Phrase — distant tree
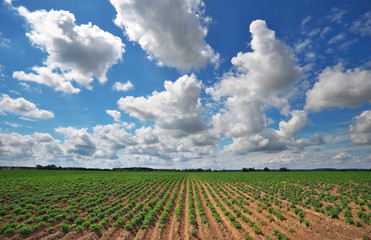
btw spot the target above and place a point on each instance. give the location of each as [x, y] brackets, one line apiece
[38, 166]
[51, 167]
[248, 170]
[266, 169]
[284, 169]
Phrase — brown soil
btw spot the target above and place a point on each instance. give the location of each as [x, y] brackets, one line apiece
[212, 229]
[235, 234]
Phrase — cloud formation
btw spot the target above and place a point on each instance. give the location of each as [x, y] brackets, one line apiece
[337, 87]
[72, 50]
[258, 79]
[177, 109]
[119, 86]
[170, 31]
[360, 132]
[115, 114]
[362, 25]
[21, 106]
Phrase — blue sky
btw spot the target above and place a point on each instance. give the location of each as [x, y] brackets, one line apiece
[185, 83]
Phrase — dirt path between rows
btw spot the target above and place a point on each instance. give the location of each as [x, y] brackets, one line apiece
[235, 233]
[183, 226]
[212, 229]
[153, 230]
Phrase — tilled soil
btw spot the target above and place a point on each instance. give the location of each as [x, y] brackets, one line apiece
[321, 226]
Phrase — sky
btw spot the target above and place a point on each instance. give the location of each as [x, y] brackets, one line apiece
[185, 83]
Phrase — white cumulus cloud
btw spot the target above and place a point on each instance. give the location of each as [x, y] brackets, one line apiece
[337, 87]
[258, 79]
[72, 50]
[171, 31]
[115, 114]
[360, 132]
[119, 86]
[178, 109]
[21, 106]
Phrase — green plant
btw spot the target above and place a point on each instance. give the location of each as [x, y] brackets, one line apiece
[78, 228]
[248, 237]
[65, 227]
[95, 227]
[257, 229]
[25, 230]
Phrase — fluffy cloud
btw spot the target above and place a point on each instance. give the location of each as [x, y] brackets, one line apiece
[21, 106]
[119, 86]
[115, 114]
[292, 127]
[72, 50]
[46, 76]
[103, 142]
[177, 110]
[170, 31]
[360, 132]
[339, 88]
[258, 81]
[14, 145]
[109, 139]
[271, 64]
[78, 141]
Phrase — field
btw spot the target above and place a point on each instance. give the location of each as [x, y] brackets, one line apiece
[42, 204]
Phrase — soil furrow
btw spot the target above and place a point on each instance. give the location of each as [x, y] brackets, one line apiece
[235, 233]
[214, 229]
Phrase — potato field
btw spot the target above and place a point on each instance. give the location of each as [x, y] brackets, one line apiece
[44, 204]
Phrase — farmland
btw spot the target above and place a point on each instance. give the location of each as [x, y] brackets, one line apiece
[43, 204]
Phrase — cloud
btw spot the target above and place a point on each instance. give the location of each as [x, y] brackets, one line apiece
[177, 110]
[16, 146]
[21, 106]
[72, 50]
[260, 75]
[337, 87]
[306, 20]
[48, 77]
[336, 14]
[292, 127]
[14, 125]
[270, 67]
[257, 81]
[42, 137]
[300, 46]
[362, 25]
[337, 38]
[360, 132]
[109, 139]
[78, 141]
[4, 42]
[145, 135]
[118, 86]
[343, 156]
[171, 31]
[115, 114]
